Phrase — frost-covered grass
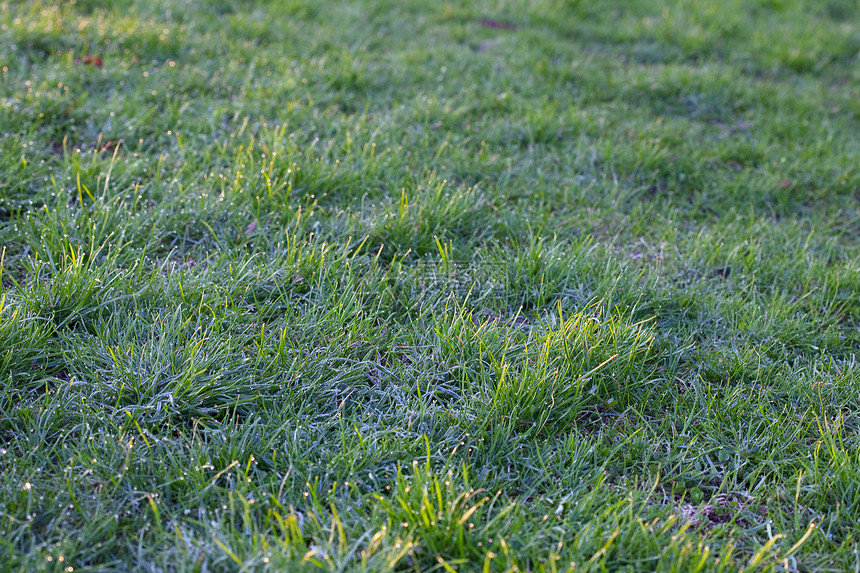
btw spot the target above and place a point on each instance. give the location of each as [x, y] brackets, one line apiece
[407, 285]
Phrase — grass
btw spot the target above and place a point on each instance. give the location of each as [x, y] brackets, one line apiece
[379, 285]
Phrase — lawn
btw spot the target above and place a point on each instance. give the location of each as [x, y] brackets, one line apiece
[424, 286]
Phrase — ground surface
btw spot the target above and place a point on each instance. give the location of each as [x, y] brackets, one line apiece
[423, 286]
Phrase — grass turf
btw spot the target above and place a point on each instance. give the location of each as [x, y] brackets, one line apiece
[430, 286]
